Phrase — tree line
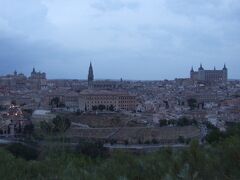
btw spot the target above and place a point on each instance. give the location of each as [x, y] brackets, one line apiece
[219, 158]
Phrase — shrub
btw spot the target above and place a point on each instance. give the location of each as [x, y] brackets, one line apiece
[23, 151]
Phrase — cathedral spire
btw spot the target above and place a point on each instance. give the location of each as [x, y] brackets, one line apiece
[90, 73]
[15, 73]
[224, 67]
[34, 71]
[192, 70]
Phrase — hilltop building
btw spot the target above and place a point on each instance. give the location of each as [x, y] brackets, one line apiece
[38, 80]
[15, 81]
[209, 75]
[37, 75]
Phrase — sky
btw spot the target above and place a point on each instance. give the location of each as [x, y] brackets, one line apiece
[129, 39]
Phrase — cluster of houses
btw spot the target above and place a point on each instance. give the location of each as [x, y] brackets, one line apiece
[206, 96]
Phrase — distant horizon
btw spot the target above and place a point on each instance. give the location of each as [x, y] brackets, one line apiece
[111, 79]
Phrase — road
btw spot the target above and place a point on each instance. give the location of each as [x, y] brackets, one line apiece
[144, 146]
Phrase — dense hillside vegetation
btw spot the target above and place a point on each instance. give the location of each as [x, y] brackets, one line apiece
[218, 159]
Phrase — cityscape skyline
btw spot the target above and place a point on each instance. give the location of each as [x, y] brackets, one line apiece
[91, 70]
[90, 89]
[132, 39]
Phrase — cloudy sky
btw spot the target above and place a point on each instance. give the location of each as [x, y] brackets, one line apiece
[132, 39]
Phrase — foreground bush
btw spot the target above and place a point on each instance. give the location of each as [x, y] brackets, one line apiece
[217, 160]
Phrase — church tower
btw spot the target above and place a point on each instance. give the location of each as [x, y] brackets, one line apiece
[192, 73]
[90, 75]
[33, 71]
[201, 73]
[225, 73]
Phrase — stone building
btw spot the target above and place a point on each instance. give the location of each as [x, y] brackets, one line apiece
[37, 80]
[14, 81]
[71, 101]
[209, 75]
[37, 75]
[88, 99]
[106, 85]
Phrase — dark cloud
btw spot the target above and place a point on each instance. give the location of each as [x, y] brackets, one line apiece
[121, 37]
[17, 53]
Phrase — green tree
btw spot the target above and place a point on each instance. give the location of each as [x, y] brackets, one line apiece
[163, 122]
[214, 136]
[46, 127]
[192, 103]
[28, 129]
[55, 102]
[181, 139]
[92, 149]
[111, 108]
[23, 151]
[94, 108]
[61, 124]
[101, 107]
[184, 122]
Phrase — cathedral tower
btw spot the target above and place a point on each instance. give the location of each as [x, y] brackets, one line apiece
[225, 73]
[90, 75]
